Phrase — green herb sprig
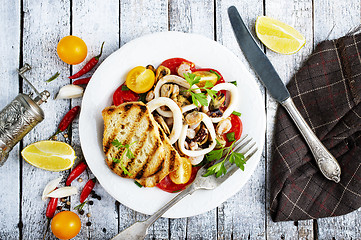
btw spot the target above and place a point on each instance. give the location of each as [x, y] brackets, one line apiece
[233, 157]
[128, 153]
[199, 98]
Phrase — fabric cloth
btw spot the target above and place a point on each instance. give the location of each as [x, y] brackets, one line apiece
[327, 92]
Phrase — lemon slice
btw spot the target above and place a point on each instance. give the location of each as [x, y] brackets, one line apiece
[49, 155]
[279, 36]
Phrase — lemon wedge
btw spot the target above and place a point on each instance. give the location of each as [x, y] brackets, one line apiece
[278, 36]
[49, 155]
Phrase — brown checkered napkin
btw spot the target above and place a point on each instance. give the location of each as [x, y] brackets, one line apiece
[327, 92]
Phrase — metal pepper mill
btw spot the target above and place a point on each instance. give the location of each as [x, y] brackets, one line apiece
[19, 117]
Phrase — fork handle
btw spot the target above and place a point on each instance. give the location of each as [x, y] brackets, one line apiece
[326, 162]
[139, 229]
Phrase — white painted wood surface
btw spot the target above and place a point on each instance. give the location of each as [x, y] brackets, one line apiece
[30, 31]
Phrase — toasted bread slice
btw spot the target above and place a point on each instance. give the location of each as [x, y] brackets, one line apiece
[154, 157]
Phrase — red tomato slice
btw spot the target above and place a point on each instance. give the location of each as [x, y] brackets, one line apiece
[237, 128]
[173, 64]
[121, 96]
[167, 185]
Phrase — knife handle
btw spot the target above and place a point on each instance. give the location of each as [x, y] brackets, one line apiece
[324, 159]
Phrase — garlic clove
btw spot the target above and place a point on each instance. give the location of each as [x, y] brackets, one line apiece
[70, 91]
[63, 192]
[50, 187]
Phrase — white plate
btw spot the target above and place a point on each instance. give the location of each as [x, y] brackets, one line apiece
[153, 49]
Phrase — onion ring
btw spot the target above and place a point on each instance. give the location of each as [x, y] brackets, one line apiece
[177, 115]
[208, 122]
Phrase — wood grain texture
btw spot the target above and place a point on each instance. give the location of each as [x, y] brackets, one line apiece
[243, 215]
[102, 21]
[42, 31]
[299, 15]
[344, 18]
[10, 171]
[138, 18]
[193, 17]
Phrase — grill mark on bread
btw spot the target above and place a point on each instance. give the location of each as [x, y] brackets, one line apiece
[150, 156]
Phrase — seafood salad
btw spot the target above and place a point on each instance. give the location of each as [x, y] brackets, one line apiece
[195, 108]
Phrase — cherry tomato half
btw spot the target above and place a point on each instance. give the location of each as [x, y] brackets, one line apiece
[173, 64]
[183, 173]
[121, 96]
[140, 79]
[220, 80]
[72, 50]
[65, 225]
[237, 128]
[167, 185]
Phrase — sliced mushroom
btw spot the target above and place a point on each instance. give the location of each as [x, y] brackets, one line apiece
[150, 96]
[193, 118]
[162, 124]
[223, 126]
[217, 102]
[161, 72]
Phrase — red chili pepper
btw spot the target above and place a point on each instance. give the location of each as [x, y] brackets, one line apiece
[67, 119]
[87, 189]
[50, 211]
[75, 173]
[89, 65]
[82, 81]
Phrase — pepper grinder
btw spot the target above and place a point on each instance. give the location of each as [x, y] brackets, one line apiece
[19, 117]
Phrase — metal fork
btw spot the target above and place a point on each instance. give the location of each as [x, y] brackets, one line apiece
[139, 229]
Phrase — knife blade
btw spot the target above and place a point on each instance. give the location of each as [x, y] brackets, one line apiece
[326, 162]
[256, 57]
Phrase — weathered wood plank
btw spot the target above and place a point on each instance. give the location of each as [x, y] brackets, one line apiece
[193, 16]
[299, 15]
[334, 19]
[138, 18]
[44, 25]
[10, 171]
[243, 215]
[102, 21]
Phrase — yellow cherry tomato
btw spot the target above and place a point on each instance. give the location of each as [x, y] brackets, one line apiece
[72, 50]
[183, 173]
[65, 225]
[140, 79]
[206, 76]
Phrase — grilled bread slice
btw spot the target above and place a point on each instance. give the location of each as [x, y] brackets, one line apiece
[154, 157]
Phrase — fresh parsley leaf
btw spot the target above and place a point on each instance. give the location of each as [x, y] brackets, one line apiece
[218, 76]
[129, 154]
[116, 160]
[138, 184]
[238, 159]
[125, 88]
[200, 98]
[192, 79]
[219, 169]
[142, 97]
[231, 136]
[208, 84]
[215, 155]
[234, 83]
[236, 113]
[117, 144]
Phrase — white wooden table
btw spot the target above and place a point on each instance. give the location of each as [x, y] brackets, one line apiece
[30, 31]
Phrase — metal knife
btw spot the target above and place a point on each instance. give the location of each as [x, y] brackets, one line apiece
[271, 80]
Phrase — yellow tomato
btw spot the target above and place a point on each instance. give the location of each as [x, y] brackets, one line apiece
[206, 76]
[65, 225]
[140, 79]
[72, 50]
[183, 173]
